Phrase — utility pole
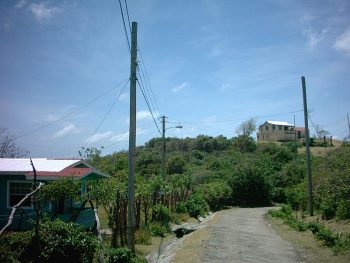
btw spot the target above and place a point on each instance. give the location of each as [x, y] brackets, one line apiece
[163, 147]
[295, 133]
[347, 115]
[132, 140]
[307, 144]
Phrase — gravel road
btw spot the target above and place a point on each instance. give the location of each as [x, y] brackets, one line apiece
[236, 235]
[243, 235]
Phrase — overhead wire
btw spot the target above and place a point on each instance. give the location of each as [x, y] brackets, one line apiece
[68, 114]
[147, 93]
[147, 81]
[234, 120]
[125, 31]
[148, 105]
[106, 115]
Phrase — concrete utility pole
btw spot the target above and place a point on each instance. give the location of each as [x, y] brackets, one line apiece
[347, 115]
[307, 144]
[132, 140]
[164, 146]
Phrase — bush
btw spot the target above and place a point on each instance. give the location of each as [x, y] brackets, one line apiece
[216, 193]
[328, 208]
[59, 242]
[161, 214]
[159, 230]
[119, 255]
[197, 206]
[179, 218]
[181, 208]
[343, 210]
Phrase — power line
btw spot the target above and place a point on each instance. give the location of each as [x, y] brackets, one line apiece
[149, 108]
[147, 85]
[107, 113]
[66, 115]
[127, 13]
[147, 80]
[149, 97]
[126, 32]
[235, 120]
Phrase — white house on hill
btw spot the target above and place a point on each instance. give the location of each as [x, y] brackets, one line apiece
[279, 131]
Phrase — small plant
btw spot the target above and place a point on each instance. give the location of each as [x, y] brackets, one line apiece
[143, 236]
[181, 208]
[161, 214]
[179, 218]
[119, 255]
[197, 206]
[158, 229]
[343, 210]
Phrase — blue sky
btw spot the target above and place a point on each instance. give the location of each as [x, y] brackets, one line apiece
[211, 65]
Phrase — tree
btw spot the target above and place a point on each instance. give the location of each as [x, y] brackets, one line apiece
[247, 128]
[8, 147]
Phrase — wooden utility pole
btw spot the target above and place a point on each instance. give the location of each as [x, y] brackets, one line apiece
[132, 140]
[307, 144]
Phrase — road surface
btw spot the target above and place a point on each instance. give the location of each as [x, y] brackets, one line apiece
[236, 235]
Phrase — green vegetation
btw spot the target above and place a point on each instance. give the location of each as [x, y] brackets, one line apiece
[207, 173]
[337, 241]
[58, 241]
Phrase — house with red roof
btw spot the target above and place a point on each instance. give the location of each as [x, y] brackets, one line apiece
[16, 180]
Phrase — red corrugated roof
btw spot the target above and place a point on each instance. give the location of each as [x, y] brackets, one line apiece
[302, 129]
[75, 172]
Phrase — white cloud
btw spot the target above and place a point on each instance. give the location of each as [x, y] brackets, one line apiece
[314, 38]
[100, 136]
[42, 11]
[69, 129]
[123, 96]
[143, 115]
[120, 137]
[125, 136]
[20, 4]
[180, 87]
[7, 25]
[343, 41]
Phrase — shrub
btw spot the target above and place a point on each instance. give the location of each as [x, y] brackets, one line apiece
[328, 208]
[158, 229]
[343, 210]
[59, 242]
[161, 214]
[197, 205]
[119, 255]
[143, 236]
[216, 193]
[181, 208]
[179, 218]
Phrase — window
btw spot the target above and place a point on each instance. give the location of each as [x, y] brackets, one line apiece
[267, 128]
[280, 127]
[17, 191]
[273, 127]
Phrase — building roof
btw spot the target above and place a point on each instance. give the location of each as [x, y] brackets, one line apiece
[48, 169]
[302, 129]
[284, 123]
[41, 164]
